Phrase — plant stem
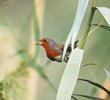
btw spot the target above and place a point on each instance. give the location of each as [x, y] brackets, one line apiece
[96, 27]
[88, 25]
[94, 3]
[36, 28]
[102, 26]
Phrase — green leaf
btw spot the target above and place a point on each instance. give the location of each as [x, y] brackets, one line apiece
[70, 75]
[74, 98]
[96, 84]
[105, 12]
[89, 97]
[76, 25]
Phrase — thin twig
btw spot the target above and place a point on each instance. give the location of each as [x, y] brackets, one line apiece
[88, 64]
[92, 30]
[96, 27]
[102, 26]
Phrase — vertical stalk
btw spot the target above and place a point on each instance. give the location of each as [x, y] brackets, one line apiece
[36, 27]
[88, 25]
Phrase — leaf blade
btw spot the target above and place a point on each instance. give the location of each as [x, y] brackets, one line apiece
[105, 12]
[78, 19]
[89, 97]
[76, 25]
[70, 75]
[97, 85]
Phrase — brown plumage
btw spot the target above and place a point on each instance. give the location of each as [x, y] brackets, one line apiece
[54, 51]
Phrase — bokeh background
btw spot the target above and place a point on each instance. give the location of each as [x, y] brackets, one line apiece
[55, 18]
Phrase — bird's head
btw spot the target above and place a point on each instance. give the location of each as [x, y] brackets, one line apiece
[46, 42]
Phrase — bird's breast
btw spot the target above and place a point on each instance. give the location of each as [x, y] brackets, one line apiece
[56, 55]
[52, 54]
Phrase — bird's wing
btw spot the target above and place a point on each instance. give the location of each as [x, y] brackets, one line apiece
[69, 47]
[61, 47]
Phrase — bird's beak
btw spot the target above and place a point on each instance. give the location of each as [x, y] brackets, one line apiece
[39, 43]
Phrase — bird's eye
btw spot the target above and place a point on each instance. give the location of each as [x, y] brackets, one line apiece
[44, 40]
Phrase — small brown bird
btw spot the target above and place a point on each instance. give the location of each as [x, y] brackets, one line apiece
[54, 51]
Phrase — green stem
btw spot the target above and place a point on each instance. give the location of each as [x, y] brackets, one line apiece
[36, 28]
[94, 3]
[88, 26]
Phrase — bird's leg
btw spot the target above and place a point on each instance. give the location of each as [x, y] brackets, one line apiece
[68, 53]
[66, 59]
[76, 43]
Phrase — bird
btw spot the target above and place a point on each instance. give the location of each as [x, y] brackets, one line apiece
[54, 51]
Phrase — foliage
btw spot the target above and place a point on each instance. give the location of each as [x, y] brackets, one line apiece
[10, 86]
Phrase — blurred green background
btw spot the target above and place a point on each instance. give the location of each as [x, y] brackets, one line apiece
[55, 19]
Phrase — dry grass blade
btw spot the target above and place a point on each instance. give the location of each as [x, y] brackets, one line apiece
[108, 74]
